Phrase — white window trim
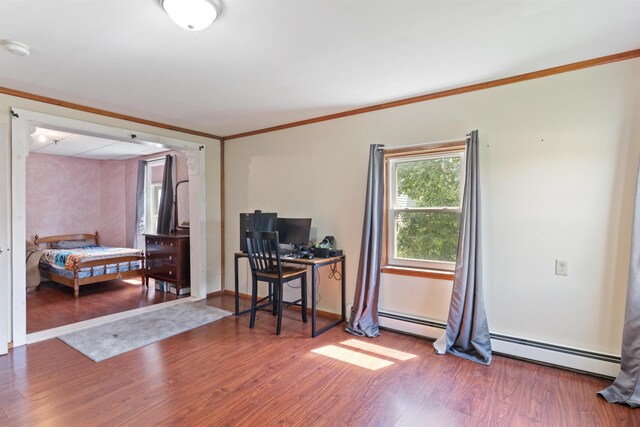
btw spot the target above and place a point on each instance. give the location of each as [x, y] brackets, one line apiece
[392, 210]
[151, 224]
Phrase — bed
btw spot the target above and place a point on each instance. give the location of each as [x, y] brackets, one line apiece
[75, 260]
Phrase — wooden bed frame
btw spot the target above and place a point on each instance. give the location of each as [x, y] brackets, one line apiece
[95, 265]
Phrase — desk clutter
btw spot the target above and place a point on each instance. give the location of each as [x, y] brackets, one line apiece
[293, 235]
[162, 286]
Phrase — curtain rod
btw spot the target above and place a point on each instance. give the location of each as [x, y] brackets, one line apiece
[425, 143]
[155, 160]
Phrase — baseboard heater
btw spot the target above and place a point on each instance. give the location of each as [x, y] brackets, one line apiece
[551, 354]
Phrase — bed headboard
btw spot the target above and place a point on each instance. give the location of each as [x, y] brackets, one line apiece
[52, 239]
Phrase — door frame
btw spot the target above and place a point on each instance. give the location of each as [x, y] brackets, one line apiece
[5, 211]
[22, 126]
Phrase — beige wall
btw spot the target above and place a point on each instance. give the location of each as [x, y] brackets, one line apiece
[559, 157]
[212, 179]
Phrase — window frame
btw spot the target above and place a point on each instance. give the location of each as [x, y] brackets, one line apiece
[422, 268]
[152, 196]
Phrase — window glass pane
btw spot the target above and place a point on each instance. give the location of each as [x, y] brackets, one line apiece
[429, 236]
[428, 183]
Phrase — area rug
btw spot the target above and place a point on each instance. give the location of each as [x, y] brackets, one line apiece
[117, 337]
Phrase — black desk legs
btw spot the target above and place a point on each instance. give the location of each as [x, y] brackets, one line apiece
[314, 332]
[314, 295]
[314, 302]
[235, 270]
[237, 297]
[342, 276]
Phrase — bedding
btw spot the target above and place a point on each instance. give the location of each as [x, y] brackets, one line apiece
[67, 258]
[73, 244]
[75, 260]
[91, 271]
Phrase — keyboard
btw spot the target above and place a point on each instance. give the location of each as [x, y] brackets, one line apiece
[294, 254]
[289, 254]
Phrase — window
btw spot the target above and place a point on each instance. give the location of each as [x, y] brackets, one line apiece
[424, 203]
[155, 173]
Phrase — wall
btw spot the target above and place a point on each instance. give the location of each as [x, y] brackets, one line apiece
[112, 203]
[212, 178]
[559, 157]
[67, 195]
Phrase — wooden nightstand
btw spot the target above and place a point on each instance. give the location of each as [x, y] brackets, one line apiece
[167, 258]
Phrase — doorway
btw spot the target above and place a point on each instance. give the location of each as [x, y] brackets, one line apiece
[5, 277]
[22, 128]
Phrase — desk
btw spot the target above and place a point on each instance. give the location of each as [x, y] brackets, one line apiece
[314, 263]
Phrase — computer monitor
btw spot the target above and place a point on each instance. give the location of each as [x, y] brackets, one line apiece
[294, 231]
[256, 221]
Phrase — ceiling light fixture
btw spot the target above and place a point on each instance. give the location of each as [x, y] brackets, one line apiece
[40, 137]
[16, 48]
[192, 14]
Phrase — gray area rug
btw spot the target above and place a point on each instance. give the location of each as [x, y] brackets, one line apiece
[113, 338]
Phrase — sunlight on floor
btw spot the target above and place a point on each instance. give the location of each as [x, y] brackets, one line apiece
[133, 281]
[383, 351]
[355, 358]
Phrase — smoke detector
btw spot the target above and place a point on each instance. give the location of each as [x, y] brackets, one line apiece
[16, 48]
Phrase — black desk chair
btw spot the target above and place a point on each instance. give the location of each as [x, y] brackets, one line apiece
[264, 260]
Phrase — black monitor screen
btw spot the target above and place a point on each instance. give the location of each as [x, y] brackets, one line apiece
[294, 231]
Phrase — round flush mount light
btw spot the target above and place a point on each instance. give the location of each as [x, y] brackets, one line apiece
[40, 137]
[16, 48]
[192, 15]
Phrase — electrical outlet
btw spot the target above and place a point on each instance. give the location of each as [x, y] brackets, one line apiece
[562, 269]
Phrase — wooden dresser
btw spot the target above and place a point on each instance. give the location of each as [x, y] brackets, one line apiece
[167, 259]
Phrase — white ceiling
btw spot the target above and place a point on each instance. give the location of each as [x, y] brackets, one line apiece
[269, 62]
[60, 143]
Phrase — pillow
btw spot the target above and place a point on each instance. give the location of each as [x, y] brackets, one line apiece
[73, 244]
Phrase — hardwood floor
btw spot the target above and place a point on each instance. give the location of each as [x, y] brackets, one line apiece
[54, 305]
[226, 374]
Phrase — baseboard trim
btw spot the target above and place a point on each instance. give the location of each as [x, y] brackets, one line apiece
[536, 351]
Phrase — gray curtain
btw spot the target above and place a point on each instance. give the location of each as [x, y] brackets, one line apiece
[467, 332]
[626, 387]
[140, 224]
[165, 211]
[363, 320]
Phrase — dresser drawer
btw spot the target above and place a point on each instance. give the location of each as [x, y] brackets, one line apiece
[160, 264]
[167, 258]
[162, 256]
[165, 272]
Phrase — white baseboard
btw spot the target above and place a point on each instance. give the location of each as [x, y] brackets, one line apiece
[551, 354]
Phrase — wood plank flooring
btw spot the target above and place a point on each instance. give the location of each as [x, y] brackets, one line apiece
[53, 305]
[225, 374]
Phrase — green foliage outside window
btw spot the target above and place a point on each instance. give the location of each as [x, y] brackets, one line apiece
[428, 183]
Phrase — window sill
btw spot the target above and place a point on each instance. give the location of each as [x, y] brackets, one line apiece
[418, 272]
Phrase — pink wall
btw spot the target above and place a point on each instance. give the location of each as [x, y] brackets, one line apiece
[68, 195]
[63, 195]
[112, 203]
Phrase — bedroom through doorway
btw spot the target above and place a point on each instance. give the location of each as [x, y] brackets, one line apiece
[102, 174]
[75, 206]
